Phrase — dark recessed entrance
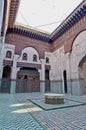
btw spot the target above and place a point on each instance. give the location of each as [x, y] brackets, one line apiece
[5, 82]
[47, 81]
[82, 72]
[28, 80]
[65, 81]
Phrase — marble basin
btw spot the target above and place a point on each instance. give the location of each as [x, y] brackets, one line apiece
[53, 98]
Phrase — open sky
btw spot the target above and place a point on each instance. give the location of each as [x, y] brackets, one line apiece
[45, 14]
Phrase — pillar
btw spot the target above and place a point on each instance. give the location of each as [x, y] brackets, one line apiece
[2, 4]
[13, 75]
[42, 76]
[1, 13]
[1, 72]
[68, 68]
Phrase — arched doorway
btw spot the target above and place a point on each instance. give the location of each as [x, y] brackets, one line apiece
[5, 82]
[28, 80]
[6, 72]
[47, 81]
[65, 81]
[82, 74]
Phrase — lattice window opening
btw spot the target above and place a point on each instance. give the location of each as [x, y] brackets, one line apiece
[24, 57]
[8, 54]
[35, 58]
[47, 59]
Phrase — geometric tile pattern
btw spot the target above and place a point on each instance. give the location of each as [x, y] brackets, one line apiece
[72, 118]
[63, 119]
[14, 117]
[18, 113]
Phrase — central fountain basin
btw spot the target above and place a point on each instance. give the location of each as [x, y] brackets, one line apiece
[53, 98]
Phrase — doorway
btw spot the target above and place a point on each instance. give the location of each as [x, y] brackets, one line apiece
[82, 75]
[65, 80]
[5, 82]
[47, 81]
[28, 80]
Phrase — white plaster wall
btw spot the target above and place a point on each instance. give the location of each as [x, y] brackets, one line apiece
[70, 61]
[78, 52]
[58, 64]
[7, 47]
[30, 52]
[47, 54]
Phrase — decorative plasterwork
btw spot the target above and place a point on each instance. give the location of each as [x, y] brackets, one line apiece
[72, 19]
[13, 12]
[29, 33]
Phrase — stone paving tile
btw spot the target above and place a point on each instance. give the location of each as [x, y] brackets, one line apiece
[63, 119]
[18, 113]
[73, 118]
[81, 99]
[67, 103]
[13, 115]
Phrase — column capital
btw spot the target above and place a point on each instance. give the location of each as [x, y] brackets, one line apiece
[42, 61]
[16, 57]
[68, 54]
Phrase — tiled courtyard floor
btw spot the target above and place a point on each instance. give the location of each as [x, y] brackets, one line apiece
[25, 112]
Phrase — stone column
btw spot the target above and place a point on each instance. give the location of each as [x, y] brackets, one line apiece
[1, 72]
[42, 76]
[62, 68]
[1, 22]
[68, 68]
[13, 75]
[1, 62]
[1, 13]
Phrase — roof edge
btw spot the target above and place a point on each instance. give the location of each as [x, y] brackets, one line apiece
[29, 33]
[81, 8]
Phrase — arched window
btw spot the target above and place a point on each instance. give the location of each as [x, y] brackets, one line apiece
[35, 58]
[24, 57]
[8, 54]
[47, 60]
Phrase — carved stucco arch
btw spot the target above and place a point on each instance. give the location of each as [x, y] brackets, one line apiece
[79, 46]
[76, 36]
[30, 51]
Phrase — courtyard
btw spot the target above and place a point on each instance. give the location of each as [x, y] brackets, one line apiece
[28, 111]
[34, 63]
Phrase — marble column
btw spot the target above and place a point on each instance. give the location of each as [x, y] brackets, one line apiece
[14, 75]
[1, 72]
[68, 68]
[1, 13]
[42, 76]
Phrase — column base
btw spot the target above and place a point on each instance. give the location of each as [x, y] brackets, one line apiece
[42, 86]
[13, 86]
